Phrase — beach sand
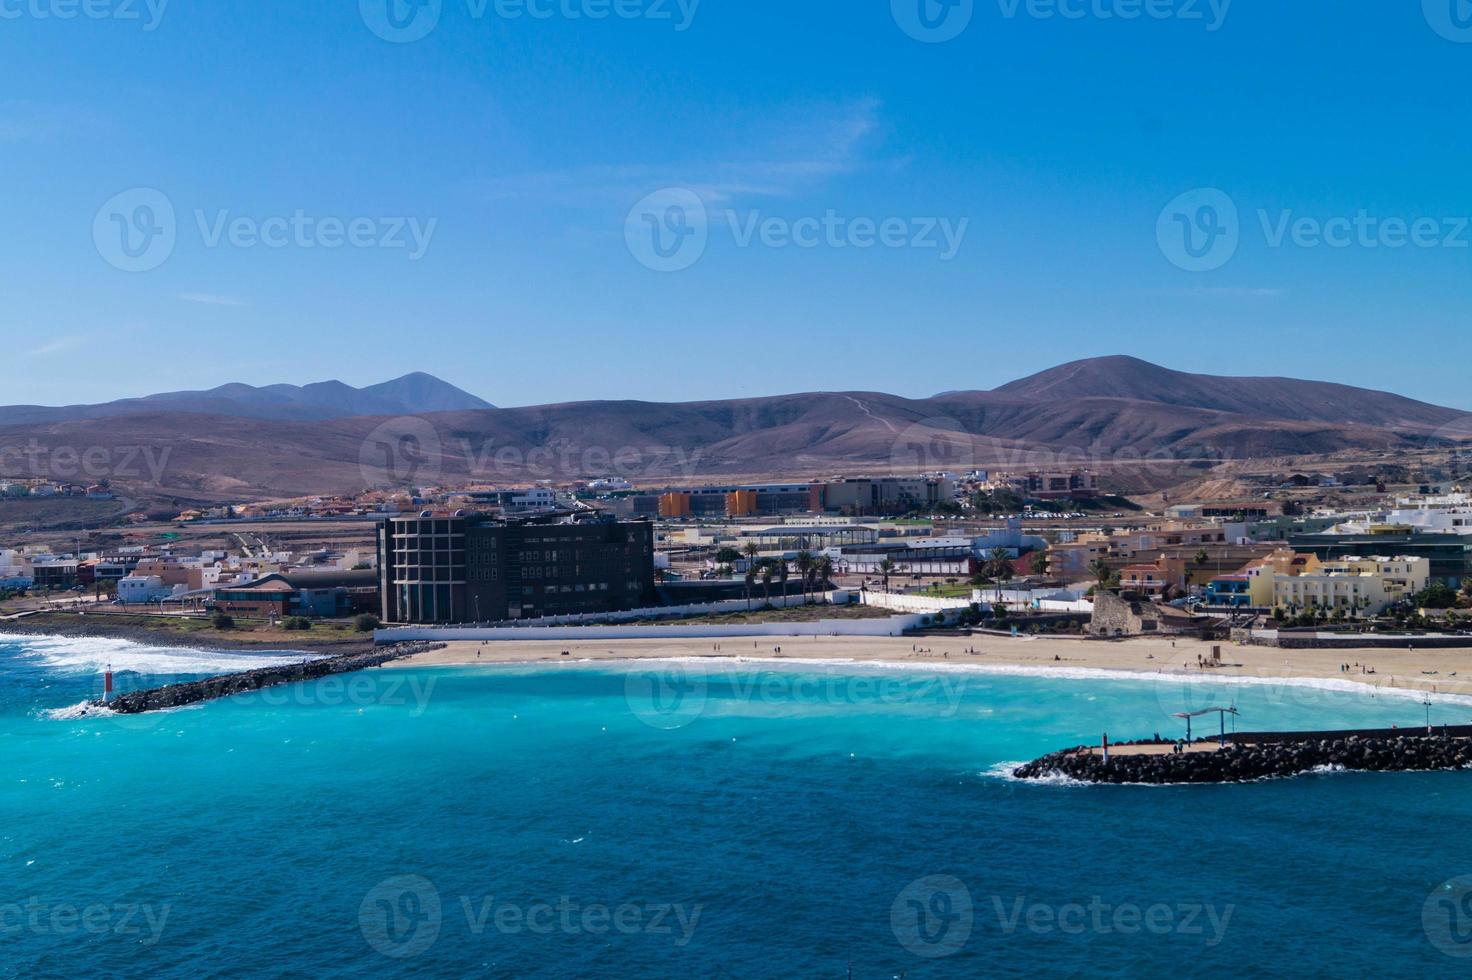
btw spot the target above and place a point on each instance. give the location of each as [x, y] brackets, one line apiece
[1445, 671]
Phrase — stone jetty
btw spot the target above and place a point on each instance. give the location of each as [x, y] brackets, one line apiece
[227, 685]
[1249, 758]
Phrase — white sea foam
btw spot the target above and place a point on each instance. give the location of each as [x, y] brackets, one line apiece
[1004, 771]
[75, 712]
[86, 655]
[1334, 684]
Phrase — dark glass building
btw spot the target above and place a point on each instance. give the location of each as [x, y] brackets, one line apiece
[467, 568]
[1450, 554]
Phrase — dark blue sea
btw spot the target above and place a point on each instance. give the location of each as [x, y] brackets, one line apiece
[680, 820]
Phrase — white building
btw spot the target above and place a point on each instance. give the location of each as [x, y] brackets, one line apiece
[143, 589]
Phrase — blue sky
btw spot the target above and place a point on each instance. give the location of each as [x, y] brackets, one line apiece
[520, 148]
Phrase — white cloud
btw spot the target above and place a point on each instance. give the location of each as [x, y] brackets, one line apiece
[210, 299]
[57, 345]
[787, 157]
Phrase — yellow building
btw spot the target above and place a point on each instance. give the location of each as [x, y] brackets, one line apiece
[1262, 575]
[1360, 586]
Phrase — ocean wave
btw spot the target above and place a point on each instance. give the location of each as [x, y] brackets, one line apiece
[75, 712]
[89, 655]
[1004, 772]
[83, 710]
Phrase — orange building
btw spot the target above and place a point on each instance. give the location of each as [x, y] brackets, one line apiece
[674, 505]
[741, 503]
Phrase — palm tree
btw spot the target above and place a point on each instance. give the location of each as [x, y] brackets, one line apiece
[1099, 568]
[768, 573]
[805, 569]
[750, 581]
[999, 564]
[885, 568]
[782, 573]
[823, 569]
[1039, 563]
[751, 549]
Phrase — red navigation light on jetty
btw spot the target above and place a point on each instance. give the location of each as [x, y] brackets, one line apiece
[107, 684]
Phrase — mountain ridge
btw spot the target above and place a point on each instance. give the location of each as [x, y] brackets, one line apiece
[1054, 418]
[413, 394]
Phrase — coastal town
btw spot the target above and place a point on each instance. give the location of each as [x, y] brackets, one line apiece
[1297, 558]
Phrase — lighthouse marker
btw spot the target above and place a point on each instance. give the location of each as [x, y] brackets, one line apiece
[107, 684]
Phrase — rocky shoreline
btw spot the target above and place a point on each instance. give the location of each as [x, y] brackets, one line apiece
[227, 685]
[1246, 762]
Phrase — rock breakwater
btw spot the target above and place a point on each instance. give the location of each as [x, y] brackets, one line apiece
[1245, 762]
[193, 692]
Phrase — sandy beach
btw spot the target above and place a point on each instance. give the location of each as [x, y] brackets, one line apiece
[1445, 671]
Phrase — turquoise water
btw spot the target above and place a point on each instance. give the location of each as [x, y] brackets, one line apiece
[661, 821]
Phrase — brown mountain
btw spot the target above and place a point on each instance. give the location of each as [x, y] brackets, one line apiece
[1107, 413]
[1278, 398]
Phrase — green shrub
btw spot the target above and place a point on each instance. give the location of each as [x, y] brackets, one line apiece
[222, 621]
[366, 623]
[296, 623]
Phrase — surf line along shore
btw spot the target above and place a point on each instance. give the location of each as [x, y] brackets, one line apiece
[227, 685]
